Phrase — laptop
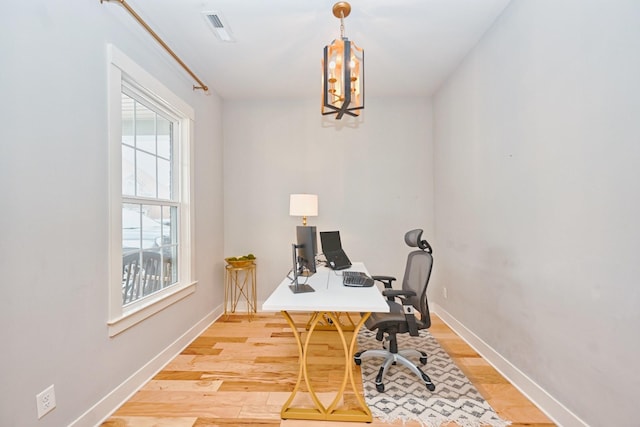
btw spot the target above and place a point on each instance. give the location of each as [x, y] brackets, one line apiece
[332, 249]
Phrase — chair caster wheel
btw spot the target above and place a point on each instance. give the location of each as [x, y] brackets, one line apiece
[356, 358]
[428, 383]
[423, 360]
[380, 387]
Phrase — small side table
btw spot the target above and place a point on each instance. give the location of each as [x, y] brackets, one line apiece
[240, 282]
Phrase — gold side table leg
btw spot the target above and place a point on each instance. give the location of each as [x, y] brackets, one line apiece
[227, 288]
[240, 282]
[238, 288]
[254, 307]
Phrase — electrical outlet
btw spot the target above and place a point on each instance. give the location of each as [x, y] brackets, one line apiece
[444, 293]
[46, 401]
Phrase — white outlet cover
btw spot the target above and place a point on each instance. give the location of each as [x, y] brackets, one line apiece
[46, 401]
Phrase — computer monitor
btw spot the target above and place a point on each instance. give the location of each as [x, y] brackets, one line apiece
[304, 258]
[307, 249]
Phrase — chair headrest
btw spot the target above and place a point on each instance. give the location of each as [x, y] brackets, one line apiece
[412, 238]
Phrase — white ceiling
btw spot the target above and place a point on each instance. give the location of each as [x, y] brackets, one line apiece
[410, 46]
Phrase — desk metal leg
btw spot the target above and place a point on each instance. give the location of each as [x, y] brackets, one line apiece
[319, 411]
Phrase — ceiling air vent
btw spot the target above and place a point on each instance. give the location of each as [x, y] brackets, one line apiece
[220, 28]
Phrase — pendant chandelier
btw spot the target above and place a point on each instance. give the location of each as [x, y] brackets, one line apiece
[342, 72]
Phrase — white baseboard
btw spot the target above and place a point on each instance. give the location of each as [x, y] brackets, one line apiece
[547, 403]
[112, 401]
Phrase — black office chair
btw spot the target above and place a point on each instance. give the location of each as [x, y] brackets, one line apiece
[402, 318]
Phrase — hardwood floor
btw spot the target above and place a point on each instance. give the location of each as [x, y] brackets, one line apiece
[239, 372]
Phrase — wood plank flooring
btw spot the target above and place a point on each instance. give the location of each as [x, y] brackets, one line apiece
[240, 371]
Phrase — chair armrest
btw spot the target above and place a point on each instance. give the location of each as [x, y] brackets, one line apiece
[383, 277]
[398, 293]
[386, 280]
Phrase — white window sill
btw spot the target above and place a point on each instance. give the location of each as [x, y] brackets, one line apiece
[148, 307]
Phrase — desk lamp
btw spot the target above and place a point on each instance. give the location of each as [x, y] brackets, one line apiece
[303, 205]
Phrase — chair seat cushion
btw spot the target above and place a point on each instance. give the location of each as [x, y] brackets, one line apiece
[394, 321]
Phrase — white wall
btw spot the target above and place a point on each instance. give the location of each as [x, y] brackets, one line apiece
[535, 150]
[536, 155]
[53, 216]
[374, 182]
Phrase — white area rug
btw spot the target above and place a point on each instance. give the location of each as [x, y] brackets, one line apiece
[406, 397]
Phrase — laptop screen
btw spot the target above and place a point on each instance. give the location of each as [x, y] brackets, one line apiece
[330, 241]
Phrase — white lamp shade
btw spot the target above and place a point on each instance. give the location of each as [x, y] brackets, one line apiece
[303, 205]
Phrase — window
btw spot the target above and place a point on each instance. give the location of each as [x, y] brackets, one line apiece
[149, 195]
[150, 200]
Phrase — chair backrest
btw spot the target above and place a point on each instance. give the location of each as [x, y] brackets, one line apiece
[417, 272]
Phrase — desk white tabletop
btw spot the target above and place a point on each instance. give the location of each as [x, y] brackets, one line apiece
[330, 294]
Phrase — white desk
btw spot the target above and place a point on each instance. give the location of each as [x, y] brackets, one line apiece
[330, 298]
[330, 294]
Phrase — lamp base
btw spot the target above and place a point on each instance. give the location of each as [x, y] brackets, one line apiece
[301, 288]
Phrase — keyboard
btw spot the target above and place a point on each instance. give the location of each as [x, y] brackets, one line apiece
[357, 280]
[353, 273]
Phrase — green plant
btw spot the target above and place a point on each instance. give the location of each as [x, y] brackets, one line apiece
[247, 257]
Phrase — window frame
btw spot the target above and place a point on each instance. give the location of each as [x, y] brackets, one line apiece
[122, 71]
